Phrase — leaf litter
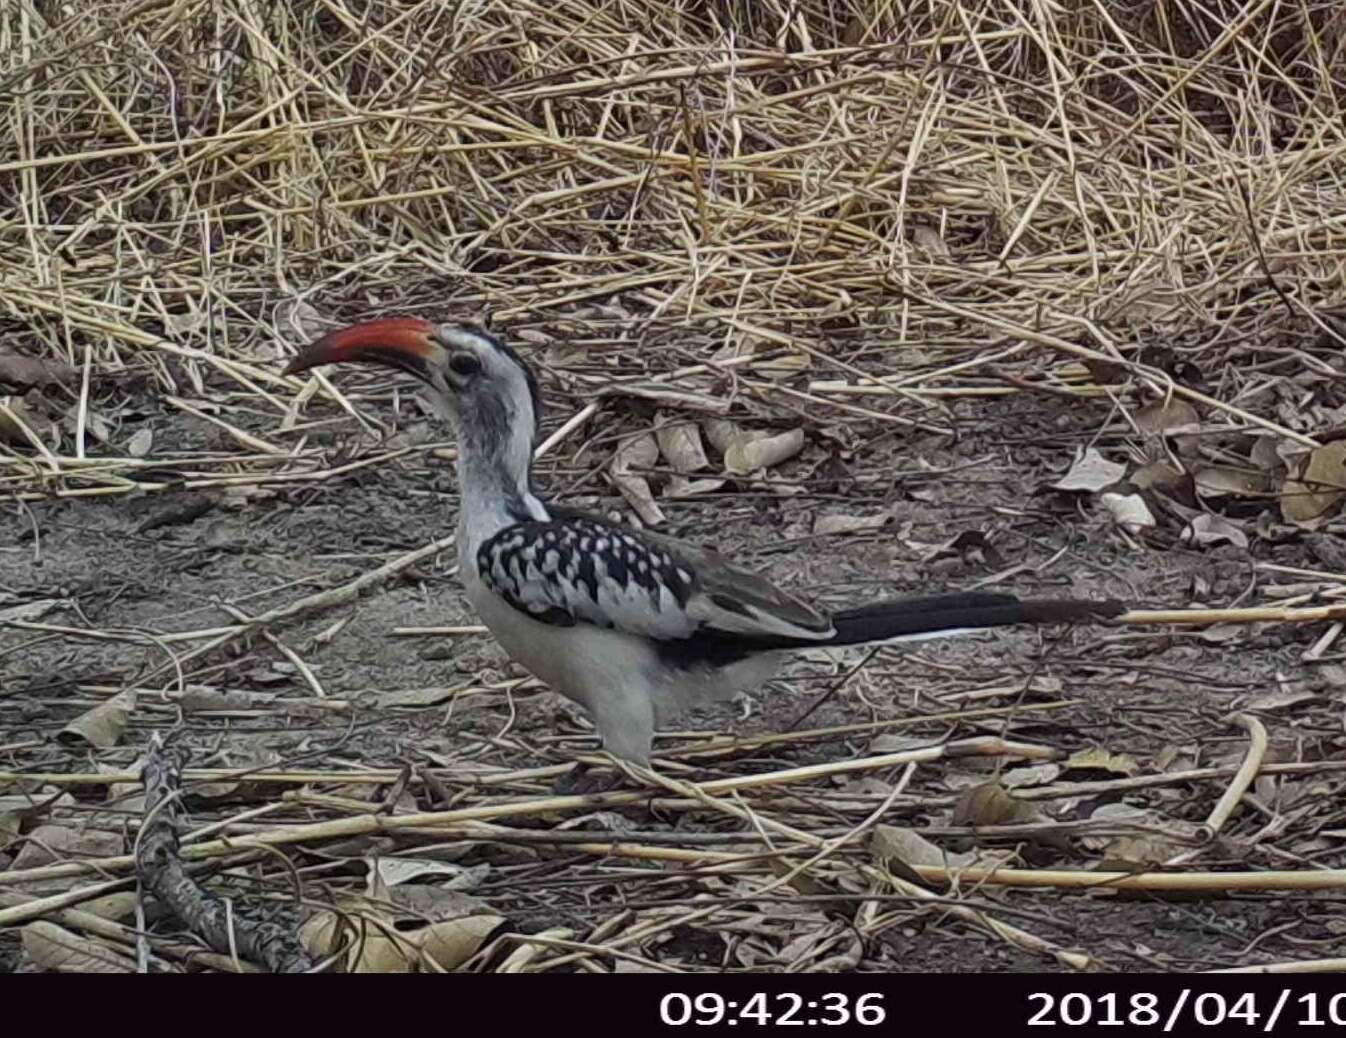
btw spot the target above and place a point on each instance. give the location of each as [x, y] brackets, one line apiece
[619, 270]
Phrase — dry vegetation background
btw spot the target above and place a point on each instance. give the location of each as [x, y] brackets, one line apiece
[862, 215]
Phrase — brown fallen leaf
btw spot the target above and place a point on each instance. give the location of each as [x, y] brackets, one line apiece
[1216, 481]
[1096, 758]
[991, 804]
[680, 444]
[432, 904]
[896, 844]
[1129, 511]
[21, 424]
[427, 695]
[1162, 415]
[923, 236]
[59, 950]
[1090, 473]
[367, 936]
[1030, 775]
[745, 455]
[449, 944]
[102, 726]
[1208, 529]
[1320, 486]
[1160, 475]
[833, 524]
[140, 442]
[680, 487]
[51, 843]
[638, 452]
[29, 611]
[21, 372]
[720, 433]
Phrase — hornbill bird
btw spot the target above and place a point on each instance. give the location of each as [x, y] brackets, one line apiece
[632, 625]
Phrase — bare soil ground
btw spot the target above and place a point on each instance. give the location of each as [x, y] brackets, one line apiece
[971, 510]
[1106, 226]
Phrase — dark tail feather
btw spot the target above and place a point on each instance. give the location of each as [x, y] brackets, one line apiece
[907, 616]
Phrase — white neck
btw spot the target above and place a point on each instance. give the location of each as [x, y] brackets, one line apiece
[494, 467]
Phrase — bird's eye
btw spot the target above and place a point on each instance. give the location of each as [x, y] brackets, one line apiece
[464, 364]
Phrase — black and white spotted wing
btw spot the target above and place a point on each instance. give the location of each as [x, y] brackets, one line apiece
[573, 571]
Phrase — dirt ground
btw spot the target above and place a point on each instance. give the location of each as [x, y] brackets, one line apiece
[971, 510]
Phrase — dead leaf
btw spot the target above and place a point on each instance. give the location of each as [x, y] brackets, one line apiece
[638, 452]
[51, 843]
[102, 726]
[57, 949]
[1090, 473]
[1206, 529]
[1321, 485]
[1280, 700]
[925, 237]
[432, 904]
[1096, 758]
[1120, 813]
[367, 936]
[680, 487]
[748, 455]
[1265, 456]
[831, 524]
[1225, 481]
[21, 372]
[139, 445]
[720, 433]
[1140, 849]
[895, 843]
[451, 943]
[426, 696]
[1122, 852]
[991, 804]
[1129, 511]
[1160, 475]
[394, 870]
[29, 611]
[16, 415]
[680, 443]
[1032, 775]
[1162, 415]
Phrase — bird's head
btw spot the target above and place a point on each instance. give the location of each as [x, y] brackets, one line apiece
[482, 384]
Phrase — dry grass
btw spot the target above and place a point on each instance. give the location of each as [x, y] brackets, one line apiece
[897, 204]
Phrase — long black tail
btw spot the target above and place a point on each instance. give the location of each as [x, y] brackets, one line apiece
[960, 611]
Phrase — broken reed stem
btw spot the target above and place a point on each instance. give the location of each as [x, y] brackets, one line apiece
[1305, 966]
[1243, 778]
[1249, 615]
[1171, 882]
[364, 824]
